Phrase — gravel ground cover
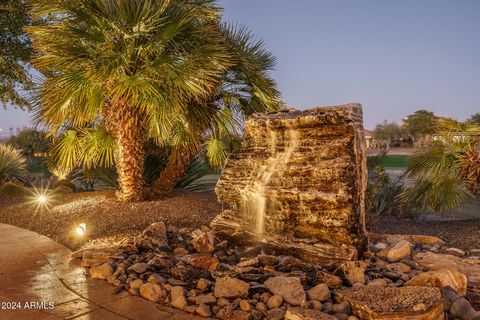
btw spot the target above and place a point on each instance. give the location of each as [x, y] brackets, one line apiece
[107, 220]
[463, 234]
[110, 221]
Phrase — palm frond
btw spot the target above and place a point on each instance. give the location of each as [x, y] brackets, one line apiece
[436, 195]
[65, 154]
[83, 148]
[217, 152]
[446, 172]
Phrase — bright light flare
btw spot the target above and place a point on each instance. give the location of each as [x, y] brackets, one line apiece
[81, 229]
[42, 199]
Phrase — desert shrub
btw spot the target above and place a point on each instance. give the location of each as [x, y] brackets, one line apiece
[373, 162]
[382, 196]
[86, 177]
[63, 189]
[12, 164]
[12, 190]
[65, 183]
[107, 175]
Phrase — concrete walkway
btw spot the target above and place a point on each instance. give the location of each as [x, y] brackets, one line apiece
[38, 281]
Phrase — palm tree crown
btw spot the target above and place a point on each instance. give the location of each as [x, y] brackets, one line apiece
[165, 70]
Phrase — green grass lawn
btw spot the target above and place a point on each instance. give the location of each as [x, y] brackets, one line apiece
[394, 161]
[37, 168]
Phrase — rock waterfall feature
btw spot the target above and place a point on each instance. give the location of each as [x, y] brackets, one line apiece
[297, 184]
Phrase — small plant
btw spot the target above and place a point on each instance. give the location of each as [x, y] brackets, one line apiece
[12, 164]
[373, 162]
[87, 178]
[382, 194]
[63, 189]
[65, 183]
[12, 190]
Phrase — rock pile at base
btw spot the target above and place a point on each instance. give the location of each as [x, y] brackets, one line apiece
[195, 271]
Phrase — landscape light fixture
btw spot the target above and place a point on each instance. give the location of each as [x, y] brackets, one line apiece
[80, 230]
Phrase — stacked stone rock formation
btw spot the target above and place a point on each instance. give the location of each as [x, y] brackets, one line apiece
[298, 183]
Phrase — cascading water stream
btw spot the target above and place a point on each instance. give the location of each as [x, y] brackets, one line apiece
[253, 196]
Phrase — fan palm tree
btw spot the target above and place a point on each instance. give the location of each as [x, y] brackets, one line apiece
[246, 87]
[207, 127]
[138, 67]
[447, 172]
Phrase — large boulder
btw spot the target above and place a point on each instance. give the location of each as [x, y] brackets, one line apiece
[95, 257]
[298, 181]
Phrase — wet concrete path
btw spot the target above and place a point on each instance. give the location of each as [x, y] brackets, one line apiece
[38, 281]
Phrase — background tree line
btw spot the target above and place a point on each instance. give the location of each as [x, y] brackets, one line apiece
[416, 130]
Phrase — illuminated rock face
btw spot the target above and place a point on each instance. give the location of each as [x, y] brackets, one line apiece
[298, 183]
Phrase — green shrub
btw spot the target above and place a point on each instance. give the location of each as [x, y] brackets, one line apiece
[63, 189]
[382, 196]
[66, 184]
[12, 190]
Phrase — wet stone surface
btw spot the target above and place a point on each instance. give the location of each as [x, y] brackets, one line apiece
[39, 281]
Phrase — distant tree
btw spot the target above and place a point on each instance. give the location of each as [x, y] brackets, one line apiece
[420, 124]
[475, 118]
[385, 133]
[15, 50]
[30, 141]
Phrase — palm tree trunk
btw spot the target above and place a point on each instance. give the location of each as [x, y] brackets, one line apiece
[127, 126]
[175, 168]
